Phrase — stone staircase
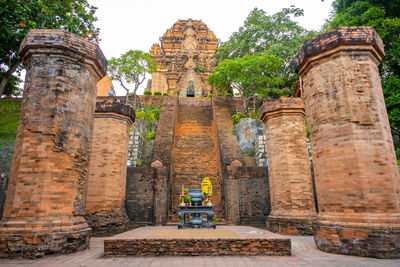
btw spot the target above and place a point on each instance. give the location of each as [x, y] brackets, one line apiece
[195, 151]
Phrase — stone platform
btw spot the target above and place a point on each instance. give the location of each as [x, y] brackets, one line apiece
[170, 241]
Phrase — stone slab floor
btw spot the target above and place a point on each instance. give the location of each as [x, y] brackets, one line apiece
[304, 253]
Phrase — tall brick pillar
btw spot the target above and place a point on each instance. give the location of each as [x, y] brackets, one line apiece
[292, 199]
[356, 175]
[45, 202]
[105, 207]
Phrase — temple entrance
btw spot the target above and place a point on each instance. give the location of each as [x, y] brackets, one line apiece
[190, 89]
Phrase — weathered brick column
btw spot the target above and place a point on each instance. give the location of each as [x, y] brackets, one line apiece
[292, 201]
[45, 200]
[105, 208]
[356, 175]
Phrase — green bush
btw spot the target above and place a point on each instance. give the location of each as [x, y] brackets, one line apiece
[165, 94]
[210, 95]
[237, 117]
[148, 92]
[150, 135]
[254, 115]
[238, 94]
[234, 132]
[307, 129]
[250, 154]
[149, 113]
[157, 93]
[219, 94]
[228, 94]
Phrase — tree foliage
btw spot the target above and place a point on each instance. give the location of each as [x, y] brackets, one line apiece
[277, 35]
[17, 17]
[131, 67]
[384, 16]
[250, 75]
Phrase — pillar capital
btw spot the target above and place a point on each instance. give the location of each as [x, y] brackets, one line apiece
[115, 109]
[350, 39]
[62, 42]
[281, 105]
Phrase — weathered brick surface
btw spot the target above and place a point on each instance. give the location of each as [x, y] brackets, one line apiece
[246, 195]
[165, 132]
[292, 200]
[195, 152]
[356, 175]
[105, 210]
[46, 195]
[228, 145]
[139, 195]
[147, 195]
[160, 195]
[197, 247]
[151, 100]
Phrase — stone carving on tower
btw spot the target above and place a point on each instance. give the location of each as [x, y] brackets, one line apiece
[184, 59]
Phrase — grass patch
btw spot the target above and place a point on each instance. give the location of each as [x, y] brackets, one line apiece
[9, 118]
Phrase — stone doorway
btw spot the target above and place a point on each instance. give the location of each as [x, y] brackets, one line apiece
[190, 89]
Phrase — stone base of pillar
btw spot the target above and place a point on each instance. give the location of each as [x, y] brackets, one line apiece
[356, 239]
[108, 222]
[290, 226]
[37, 237]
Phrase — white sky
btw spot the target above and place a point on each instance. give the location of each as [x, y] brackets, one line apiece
[137, 24]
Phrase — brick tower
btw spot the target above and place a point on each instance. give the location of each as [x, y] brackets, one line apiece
[184, 59]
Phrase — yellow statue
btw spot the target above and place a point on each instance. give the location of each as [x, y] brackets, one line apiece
[206, 186]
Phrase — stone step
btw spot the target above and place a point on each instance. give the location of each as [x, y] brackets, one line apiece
[170, 241]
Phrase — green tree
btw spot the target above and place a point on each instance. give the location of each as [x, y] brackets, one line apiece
[17, 17]
[250, 75]
[384, 16]
[277, 34]
[131, 67]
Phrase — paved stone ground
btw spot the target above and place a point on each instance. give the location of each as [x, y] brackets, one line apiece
[303, 249]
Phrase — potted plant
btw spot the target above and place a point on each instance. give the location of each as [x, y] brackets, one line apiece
[185, 198]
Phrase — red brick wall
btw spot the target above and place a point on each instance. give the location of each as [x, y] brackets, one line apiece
[246, 195]
[147, 195]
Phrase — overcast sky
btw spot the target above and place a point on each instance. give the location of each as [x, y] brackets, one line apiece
[137, 24]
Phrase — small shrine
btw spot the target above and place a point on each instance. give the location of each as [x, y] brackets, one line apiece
[195, 208]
